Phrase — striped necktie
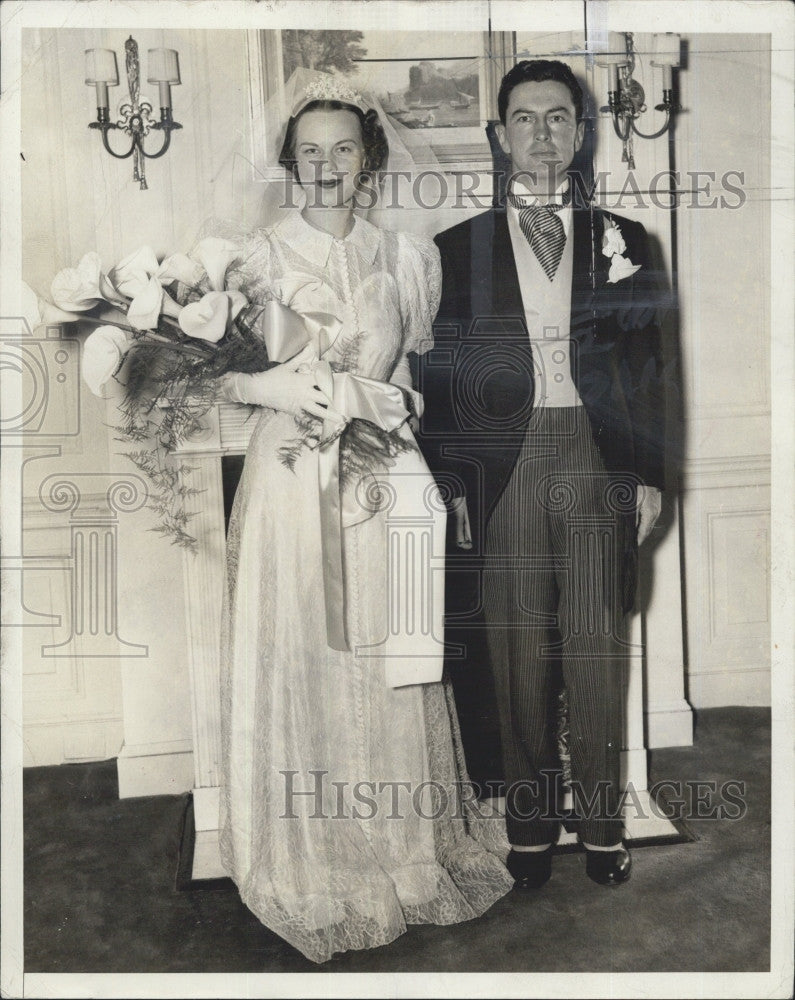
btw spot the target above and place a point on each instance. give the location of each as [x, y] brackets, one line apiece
[543, 229]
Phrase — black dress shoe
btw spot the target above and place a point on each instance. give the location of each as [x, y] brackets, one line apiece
[608, 867]
[530, 869]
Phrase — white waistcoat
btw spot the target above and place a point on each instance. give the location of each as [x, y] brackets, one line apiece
[547, 310]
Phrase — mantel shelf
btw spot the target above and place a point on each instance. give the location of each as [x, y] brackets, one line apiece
[226, 430]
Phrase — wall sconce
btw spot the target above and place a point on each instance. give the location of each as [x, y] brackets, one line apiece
[102, 72]
[625, 96]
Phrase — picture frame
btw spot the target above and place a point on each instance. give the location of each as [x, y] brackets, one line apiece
[422, 83]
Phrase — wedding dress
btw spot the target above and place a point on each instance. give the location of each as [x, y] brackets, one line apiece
[340, 818]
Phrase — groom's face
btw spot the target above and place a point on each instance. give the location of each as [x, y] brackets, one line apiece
[541, 133]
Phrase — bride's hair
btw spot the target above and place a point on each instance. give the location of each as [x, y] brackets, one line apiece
[376, 148]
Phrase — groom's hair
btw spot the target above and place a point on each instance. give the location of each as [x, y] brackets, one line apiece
[376, 148]
[537, 71]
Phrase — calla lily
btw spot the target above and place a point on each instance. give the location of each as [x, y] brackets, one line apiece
[102, 358]
[39, 312]
[50, 315]
[134, 276]
[78, 289]
[209, 318]
[621, 267]
[144, 311]
[131, 275]
[179, 267]
[216, 255]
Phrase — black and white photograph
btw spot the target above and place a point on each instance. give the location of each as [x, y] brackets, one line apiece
[397, 468]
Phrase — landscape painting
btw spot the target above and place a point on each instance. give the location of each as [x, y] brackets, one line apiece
[431, 82]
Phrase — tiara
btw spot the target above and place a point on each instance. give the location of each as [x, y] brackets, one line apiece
[329, 90]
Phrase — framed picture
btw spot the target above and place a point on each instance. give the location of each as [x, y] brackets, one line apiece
[436, 83]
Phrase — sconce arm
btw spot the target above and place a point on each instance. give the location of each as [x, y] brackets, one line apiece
[619, 114]
[660, 131]
[623, 134]
[106, 126]
[167, 126]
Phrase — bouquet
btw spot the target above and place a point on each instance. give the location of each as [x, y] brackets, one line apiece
[164, 332]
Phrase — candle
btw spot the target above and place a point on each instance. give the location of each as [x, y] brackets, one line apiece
[610, 52]
[164, 70]
[665, 53]
[101, 72]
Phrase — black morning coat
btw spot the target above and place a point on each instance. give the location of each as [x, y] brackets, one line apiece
[477, 381]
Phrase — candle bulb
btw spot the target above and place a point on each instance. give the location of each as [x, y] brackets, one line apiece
[101, 72]
[610, 50]
[164, 71]
[665, 54]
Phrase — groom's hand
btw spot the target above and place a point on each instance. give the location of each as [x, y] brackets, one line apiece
[648, 510]
[463, 536]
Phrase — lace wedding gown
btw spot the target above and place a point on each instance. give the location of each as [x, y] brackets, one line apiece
[381, 840]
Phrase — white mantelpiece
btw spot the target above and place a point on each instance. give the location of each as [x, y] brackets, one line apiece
[227, 429]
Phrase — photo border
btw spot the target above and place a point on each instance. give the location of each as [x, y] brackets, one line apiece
[699, 16]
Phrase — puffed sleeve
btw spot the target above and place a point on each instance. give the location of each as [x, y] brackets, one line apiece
[419, 278]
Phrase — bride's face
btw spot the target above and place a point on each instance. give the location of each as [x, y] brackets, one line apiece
[329, 155]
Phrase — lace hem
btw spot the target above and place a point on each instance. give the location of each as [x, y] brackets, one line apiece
[378, 908]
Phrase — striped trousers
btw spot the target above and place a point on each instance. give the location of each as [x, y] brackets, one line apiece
[552, 603]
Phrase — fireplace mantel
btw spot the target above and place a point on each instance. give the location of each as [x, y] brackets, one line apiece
[225, 431]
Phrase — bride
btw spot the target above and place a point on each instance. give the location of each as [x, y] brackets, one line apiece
[342, 817]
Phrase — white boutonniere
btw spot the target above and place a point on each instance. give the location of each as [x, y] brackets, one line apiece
[613, 246]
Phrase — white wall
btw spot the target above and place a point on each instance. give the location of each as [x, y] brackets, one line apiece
[724, 291]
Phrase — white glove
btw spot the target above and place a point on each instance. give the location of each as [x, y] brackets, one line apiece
[289, 387]
[401, 376]
[463, 535]
[648, 510]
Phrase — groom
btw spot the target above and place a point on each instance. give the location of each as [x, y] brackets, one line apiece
[544, 425]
